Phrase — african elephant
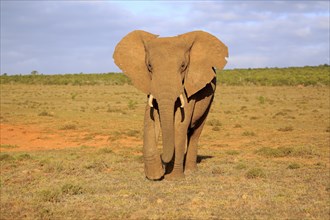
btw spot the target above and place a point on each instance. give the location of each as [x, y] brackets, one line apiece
[178, 76]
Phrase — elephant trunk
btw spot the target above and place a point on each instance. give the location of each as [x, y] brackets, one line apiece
[166, 113]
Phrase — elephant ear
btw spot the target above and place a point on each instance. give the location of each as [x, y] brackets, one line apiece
[129, 56]
[206, 52]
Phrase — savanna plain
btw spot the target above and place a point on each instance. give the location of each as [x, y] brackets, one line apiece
[71, 148]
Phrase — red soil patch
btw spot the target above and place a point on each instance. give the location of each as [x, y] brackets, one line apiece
[31, 138]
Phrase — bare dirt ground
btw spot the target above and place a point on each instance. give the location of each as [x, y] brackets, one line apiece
[32, 137]
[26, 138]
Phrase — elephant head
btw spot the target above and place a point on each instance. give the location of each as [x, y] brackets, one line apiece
[170, 70]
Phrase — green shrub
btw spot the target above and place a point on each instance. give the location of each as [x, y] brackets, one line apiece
[292, 76]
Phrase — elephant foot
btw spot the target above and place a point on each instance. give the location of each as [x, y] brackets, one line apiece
[175, 176]
[190, 171]
[191, 168]
[154, 171]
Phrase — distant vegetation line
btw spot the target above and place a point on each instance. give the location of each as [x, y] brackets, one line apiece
[292, 76]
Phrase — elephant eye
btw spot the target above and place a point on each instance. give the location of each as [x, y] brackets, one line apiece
[183, 66]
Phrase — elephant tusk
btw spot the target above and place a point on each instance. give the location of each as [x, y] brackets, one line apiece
[150, 100]
[182, 101]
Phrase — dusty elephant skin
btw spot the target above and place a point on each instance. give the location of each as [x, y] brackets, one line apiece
[177, 74]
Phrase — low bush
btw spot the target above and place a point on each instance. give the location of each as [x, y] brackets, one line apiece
[292, 76]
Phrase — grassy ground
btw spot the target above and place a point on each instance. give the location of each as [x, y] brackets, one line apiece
[264, 153]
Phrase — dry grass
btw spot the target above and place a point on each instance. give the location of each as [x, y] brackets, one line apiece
[264, 154]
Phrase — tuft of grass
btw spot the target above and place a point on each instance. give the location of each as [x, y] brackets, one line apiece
[8, 146]
[285, 129]
[237, 126]
[132, 133]
[218, 171]
[274, 152]
[232, 152]
[281, 113]
[293, 166]
[214, 123]
[132, 104]
[105, 150]
[69, 127]
[96, 165]
[255, 173]
[243, 108]
[216, 128]
[248, 133]
[45, 113]
[50, 195]
[84, 147]
[74, 95]
[240, 166]
[261, 99]
[24, 157]
[327, 129]
[6, 157]
[303, 151]
[55, 195]
[115, 110]
[71, 189]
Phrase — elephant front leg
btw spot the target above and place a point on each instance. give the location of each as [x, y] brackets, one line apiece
[152, 162]
[176, 167]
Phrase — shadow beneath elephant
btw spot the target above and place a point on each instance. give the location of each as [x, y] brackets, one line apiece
[200, 158]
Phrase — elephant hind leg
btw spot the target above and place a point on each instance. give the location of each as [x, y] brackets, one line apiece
[201, 110]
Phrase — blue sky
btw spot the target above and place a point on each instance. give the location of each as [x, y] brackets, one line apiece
[80, 36]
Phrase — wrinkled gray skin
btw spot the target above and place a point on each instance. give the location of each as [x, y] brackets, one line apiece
[177, 74]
